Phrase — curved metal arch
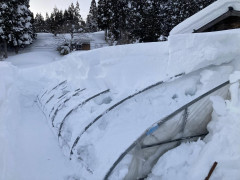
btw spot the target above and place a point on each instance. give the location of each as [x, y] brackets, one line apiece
[116, 105]
[66, 100]
[109, 109]
[155, 126]
[55, 87]
[79, 105]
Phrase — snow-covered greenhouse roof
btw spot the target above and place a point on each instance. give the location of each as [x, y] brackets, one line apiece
[208, 15]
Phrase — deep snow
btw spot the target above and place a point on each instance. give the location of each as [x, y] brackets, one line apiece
[26, 133]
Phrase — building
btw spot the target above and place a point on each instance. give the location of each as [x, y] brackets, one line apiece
[221, 15]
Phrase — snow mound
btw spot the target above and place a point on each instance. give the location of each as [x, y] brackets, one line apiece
[190, 52]
[122, 69]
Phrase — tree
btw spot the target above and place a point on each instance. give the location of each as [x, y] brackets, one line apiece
[77, 19]
[22, 33]
[47, 23]
[73, 22]
[92, 18]
[39, 23]
[104, 15]
[133, 19]
[16, 24]
[149, 24]
[5, 23]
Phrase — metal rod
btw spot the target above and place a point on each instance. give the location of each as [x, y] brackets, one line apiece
[175, 140]
[162, 121]
[116, 105]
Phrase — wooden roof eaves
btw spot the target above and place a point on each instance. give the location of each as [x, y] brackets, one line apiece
[229, 13]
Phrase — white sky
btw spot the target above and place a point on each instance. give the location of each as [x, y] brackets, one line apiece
[43, 6]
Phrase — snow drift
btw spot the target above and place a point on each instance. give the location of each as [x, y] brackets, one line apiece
[190, 52]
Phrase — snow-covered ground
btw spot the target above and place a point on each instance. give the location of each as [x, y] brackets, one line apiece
[31, 151]
[42, 51]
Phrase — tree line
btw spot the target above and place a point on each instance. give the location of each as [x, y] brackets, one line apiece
[124, 21]
[128, 21]
[67, 21]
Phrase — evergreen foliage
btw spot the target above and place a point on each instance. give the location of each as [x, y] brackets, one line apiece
[16, 21]
[92, 18]
[127, 21]
[67, 21]
[104, 14]
[39, 23]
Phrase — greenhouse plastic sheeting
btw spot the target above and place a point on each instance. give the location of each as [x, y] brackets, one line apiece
[71, 112]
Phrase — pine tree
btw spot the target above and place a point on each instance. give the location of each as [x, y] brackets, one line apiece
[77, 19]
[5, 23]
[104, 15]
[117, 20]
[73, 21]
[47, 23]
[134, 19]
[92, 18]
[22, 27]
[53, 22]
[39, 23]
[16, 22]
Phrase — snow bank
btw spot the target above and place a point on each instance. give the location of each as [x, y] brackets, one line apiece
[9, 110]
[121, 68]
[194, 160]
[189, 52]
[205, 16]
[31, 59]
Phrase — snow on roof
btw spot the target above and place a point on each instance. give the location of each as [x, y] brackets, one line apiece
[205, 16]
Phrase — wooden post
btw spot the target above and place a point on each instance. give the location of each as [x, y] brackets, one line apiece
[17, 49]
[211, 170]
[5, 48]
[106, 33]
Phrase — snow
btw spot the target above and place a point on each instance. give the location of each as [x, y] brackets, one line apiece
[194, 51]
[8, 102]
[31, 59]
[124, 70]
[205, 16]
[97, 39]
[24, 151]
[194, 160]
[106, 67]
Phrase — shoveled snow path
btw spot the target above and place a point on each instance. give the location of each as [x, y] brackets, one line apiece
[37, 149]
[36, 152]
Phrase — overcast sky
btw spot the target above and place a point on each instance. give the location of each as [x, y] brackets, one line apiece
[43, 6]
